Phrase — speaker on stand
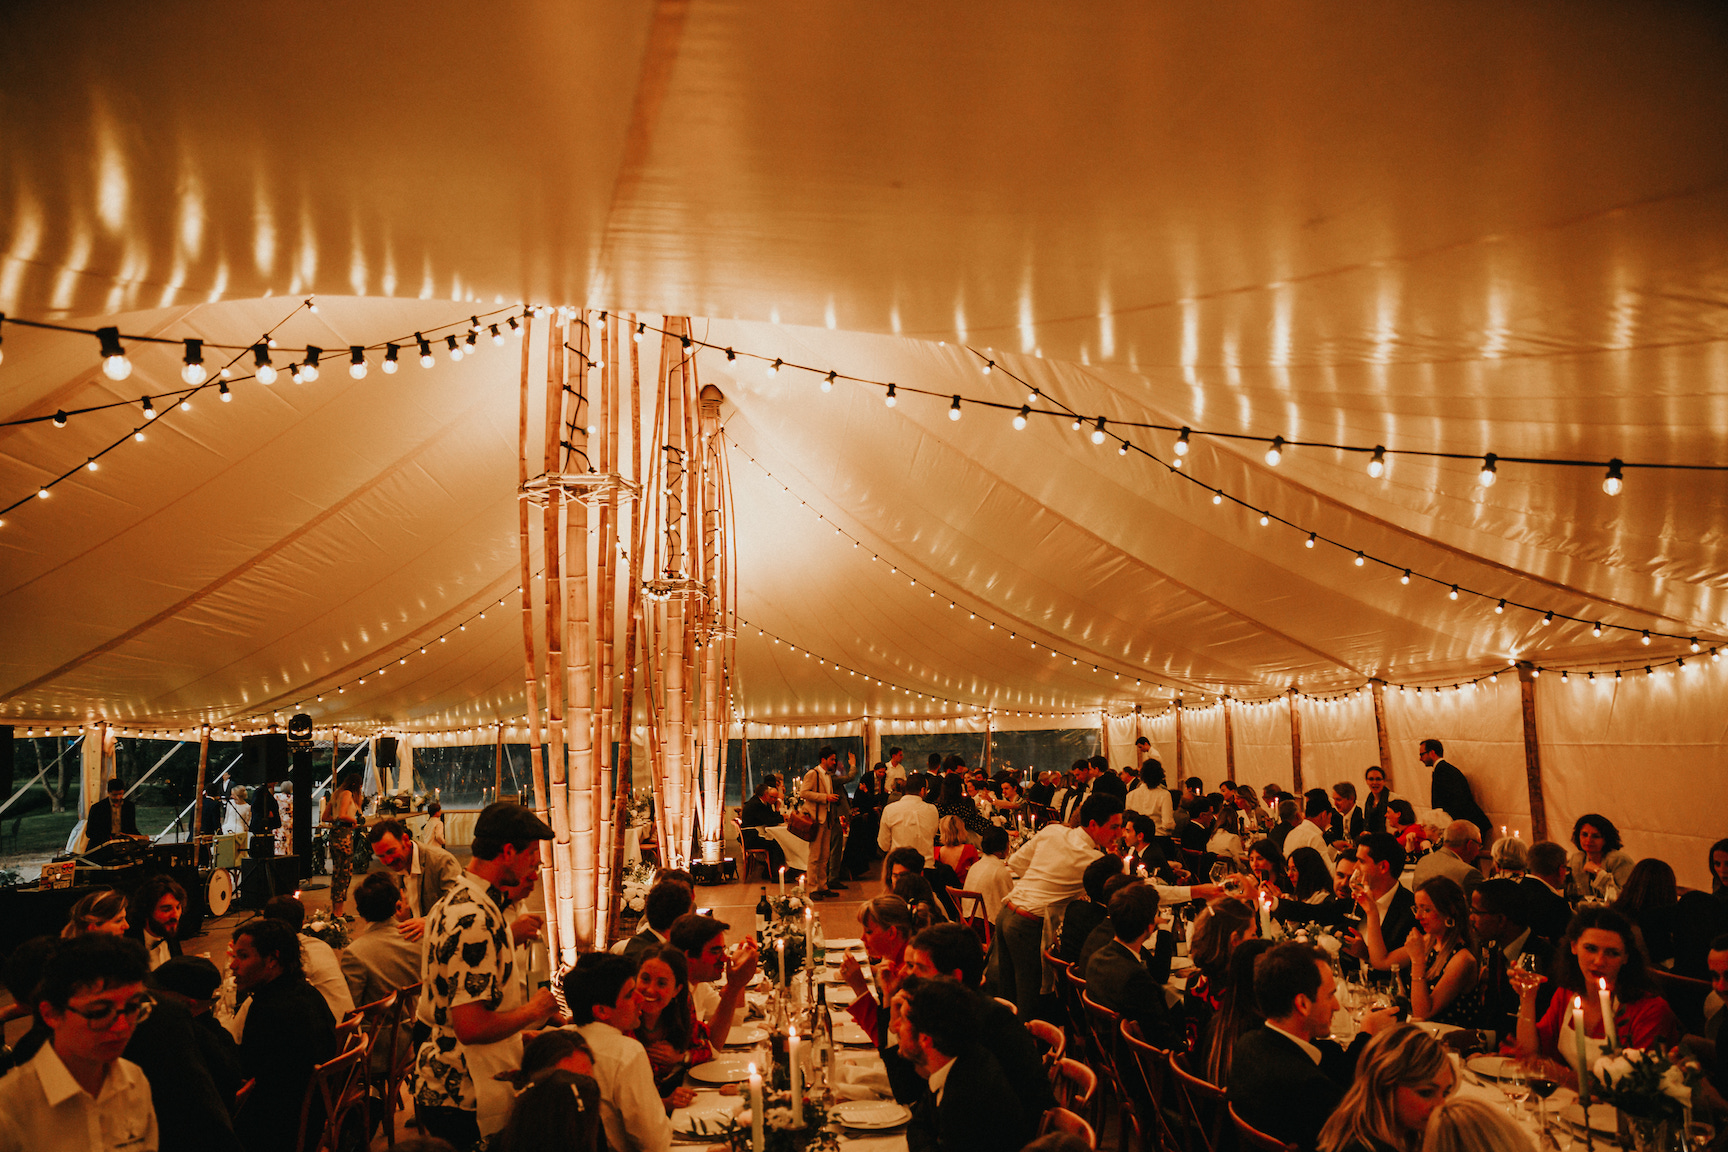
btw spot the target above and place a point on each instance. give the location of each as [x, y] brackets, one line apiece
[262, 878]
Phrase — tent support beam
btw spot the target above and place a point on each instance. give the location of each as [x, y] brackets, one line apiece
[1295, 743]
[1229, 743]
[1532, 754]
[1377, 688]
[1180, 757]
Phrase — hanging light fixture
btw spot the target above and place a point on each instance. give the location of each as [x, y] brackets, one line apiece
[391, 363]
[1275, 452]
[115, 364]
[1377, 462]
[262, 369]
[426, 360]
[889, 399]
[1489, 472]
[954, 408]
[1020, 418]
[1098, 431]
[1613, 482]
[357, 362]
[310, 368]
[193, 372]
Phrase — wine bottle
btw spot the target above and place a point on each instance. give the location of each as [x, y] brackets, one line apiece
[818, 944]
[764, 914]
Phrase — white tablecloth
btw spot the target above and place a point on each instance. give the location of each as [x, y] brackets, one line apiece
[797, 851]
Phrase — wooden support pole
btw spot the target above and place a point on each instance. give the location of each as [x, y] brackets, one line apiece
[606, 612]
[559, 899]
[579, 735]
[203, 773]
[626, 726]
[1181, 762]
[1295, 742]
[498, 765]
[1229, 743]
[1377, 688]
[1532, 755]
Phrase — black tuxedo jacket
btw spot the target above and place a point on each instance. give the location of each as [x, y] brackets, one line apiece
[979, 1111]
[1122, 982]
[136, 932]
[1547, 910]
[99, 822]
[1451, 791]
[289, 1029]
[192, 1079]
[1400, 918]
[1278, 1089]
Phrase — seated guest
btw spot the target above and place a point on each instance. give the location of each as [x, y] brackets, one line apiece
[601, 994]
[193, 1070]
[288, 1030]
[1080, 917]
[918, 892]
[1598, 864]
[1402, 1076]
[901, 862]
[1401, 822]
[666, 1024]
[948, 950]
[1441, 952]
[1509, 858]
[1352, 821]
[1544, 887]
[1152, 798]
[1225, 843]
[323, 970]
[1465, 1124]
[154, 918]
[102, 912]
[1148, 852]
[1222, 925]
[887, 926]
[1269, 867]
[1287, 1077]
[1701, 917]
[1598, 946]
[22, 972]
[1197, 832]
[666, 901]
[989, 875]
[1117, 976]
[968, 1104]
[954, 850]
[702, 939]
[762, 810]
[1289, 819]
[1497, 914]
[379, 959]
[1650, 900]
[1238, 1012]
[1311, 889]
[954, 802]
[1455, 858]
[1312, 832]
[1379, 863]
[557, 1107]
[1712, 1047]
[76, 1092]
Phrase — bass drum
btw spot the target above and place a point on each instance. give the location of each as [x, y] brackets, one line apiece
[219, 892]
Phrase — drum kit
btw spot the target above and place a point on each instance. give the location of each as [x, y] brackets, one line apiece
[219, 862]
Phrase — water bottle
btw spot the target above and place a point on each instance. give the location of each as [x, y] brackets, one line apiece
[818, 944]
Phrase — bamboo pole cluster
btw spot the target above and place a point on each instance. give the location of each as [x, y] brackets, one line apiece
[632, 536]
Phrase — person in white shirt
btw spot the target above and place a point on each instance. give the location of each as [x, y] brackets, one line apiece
[1153, 798]
[896, 766]
[432, 832]
[601, 994]
[77, 1094]
[236, 814]
[323, 970]
[1050, 866]
[909, 822]
[1311, 833]
[989, 875]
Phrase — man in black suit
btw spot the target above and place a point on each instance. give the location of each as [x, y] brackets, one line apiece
[1451, 791]
[1352, 821]
[154, 918]
[1286, 1077]
[110, 817]
[953, 951]
[192, 1077]
[665, 902]
[1118, 976]
[289, 1030]
[1497, 913]
[1082, 916]
[968, 1103]
[1379, 863]
[1544, 889]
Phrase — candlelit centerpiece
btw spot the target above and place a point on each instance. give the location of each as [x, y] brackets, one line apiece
[783, 950]
[1650, 1091]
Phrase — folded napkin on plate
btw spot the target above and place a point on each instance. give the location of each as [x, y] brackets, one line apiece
[863, 1080]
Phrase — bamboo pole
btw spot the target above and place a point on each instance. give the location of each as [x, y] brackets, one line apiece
[1532, 755]
[713, 822]
[672, 611]
[606, 600]
[1295, 743]
[203, 773]
[536, 762]
[498, 764]
[580, 734]
[632, 617]
[560, 926]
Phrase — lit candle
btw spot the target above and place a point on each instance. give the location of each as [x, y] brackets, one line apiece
[755, 1109]
[1609, 1033]
[780, 947]
[1583, 1049]
[809, 951]
[793, 1051]
[1265, 918]
[782, 881]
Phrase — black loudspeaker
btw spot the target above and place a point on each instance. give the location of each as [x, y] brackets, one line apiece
[386, 752]
[262, 879]
[262, 758]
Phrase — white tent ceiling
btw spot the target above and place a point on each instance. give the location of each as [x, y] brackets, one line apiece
[1463, 229]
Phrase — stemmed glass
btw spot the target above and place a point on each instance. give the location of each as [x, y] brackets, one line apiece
[1514, 1083]
[1539, 1078]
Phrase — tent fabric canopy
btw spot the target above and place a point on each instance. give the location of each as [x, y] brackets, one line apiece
[1496, 230]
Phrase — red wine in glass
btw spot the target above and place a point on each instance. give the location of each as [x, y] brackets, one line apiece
[1543, 1087]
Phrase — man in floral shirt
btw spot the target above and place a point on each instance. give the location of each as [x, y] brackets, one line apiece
[469, 975]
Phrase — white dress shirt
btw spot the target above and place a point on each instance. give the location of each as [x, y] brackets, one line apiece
[324, 972]
[939, 1080]
[43, 1109]
[1154, 802]
[1308, 835]
[909, 822]
[1050, 866]
[990, 878]
[630, 1109]
[157, 948]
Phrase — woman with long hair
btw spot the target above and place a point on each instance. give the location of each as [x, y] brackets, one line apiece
[1598, 864]
[237, 813]
[1153, 797]
[1465, 1124]
[1598, 950]
[955, 802]
[1271, 870]
[1401, 822]
[668, 1027]
[1237, 1011]
[342, 814]
[1222, 925]
[1310, 879]
[1402, 1076]
[102, 911]
[1441, 952]
[1651, 901]
[887, 925]
[557, 1106]
[954, 850]
[922, 898]
[1225, 843]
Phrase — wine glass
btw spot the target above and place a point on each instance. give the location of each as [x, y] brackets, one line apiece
[1220, 869]
[1514, 1082]
[1540, 1080]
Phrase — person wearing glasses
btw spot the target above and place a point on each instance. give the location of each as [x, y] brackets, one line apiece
[77, 1093]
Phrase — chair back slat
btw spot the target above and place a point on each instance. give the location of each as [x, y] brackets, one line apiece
[1252, 1139]
[1147, 1089]
[1202, 1109]
[394, 1042]
[969, 906]
[336, 1088]
[1062, 1120]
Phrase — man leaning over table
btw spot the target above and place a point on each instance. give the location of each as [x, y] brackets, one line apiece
[427, 873]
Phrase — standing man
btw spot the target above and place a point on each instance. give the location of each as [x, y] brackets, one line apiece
[819, 794]
[896, 765]
[1051, 866]
[154, 920]
[1374, 807]
[109, 818]
[426, 873]
[471, 986]
[1451, 791]
[77, 1094]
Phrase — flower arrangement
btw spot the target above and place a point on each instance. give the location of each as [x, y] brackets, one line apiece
[792, 933]
[1645, 1083]
[787, 907]
[333, 930]
[1325, 941]
[633, 884]
[780, 1133]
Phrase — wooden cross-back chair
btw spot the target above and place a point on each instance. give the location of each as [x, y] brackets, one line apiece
[1062, 1120]
[751, 855]
[969, 906]
[1075, 1085]
[337, 1088]
[1201, 1111]
[1251, 1139]
[1052, 1041]
[1147, 1088]
[397, 1059]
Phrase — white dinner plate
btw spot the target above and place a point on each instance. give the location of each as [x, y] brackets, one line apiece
[732, 1068]
[704, 1124]
[744, 1035]
[1491, 1067]
[1434, 1029]
[849, 1032]
[841, 995]
[870, 1115]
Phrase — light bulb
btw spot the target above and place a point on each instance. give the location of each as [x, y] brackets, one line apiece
[1405, 579]
[954, 409]
[1309, 543]
[454, 349]
[1548, 618]
[1098, 431]
[774, 368]
[828, 382]
[426, 360]
[294, 373]
[1499, 608]
[193, 373]
[1020, 418]
[222, 391]
[42, 493]
[186, 404]
[1453, 594]
[497, 336]
[1645, 638]
[1695, 644]
[1182, 443]
[357, 362]
[90, 464]
[149, 408]
[1276, 452]
[889, 398]
[115, 365]
[1377, 463]
[138, 435]
[309, 369]
[1217, 497]
[1032, 396]
[641, 330]
[514, 327]
[262, 369]
[390, 361]
[1596, 628]
[1489, 474]
[1613, 482]
[1265, 520]
[1360, 559]
[988, 365]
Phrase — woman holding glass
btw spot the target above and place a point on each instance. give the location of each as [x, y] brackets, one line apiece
[668, 1028]
[1441, 951]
